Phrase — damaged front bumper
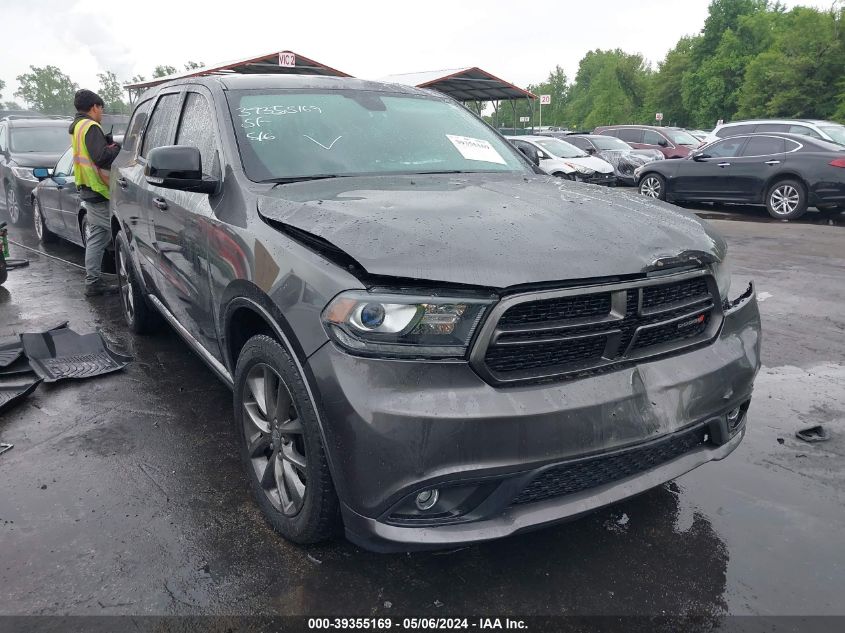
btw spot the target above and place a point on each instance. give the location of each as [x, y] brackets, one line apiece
[506, 460]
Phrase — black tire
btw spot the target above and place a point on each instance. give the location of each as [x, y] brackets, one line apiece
[14, 210]
[83, 229]
[284, 455]
[786, 200]
[140, 316]
[652, 186]
[44, 234]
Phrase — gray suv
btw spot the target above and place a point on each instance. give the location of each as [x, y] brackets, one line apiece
[429, 342]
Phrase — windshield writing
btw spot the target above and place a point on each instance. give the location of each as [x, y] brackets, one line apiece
[287, 134]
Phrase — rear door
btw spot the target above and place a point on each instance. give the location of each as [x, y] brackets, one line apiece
[181, 226]
[710, 178]
[760, 159]
[153, 125]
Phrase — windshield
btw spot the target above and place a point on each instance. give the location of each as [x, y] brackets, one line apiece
[681, 137]
[836, 132]
[561, 149]
[47, 139]
[608, 142]
[299, 134]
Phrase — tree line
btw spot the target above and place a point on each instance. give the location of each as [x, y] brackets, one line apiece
[753, 58]
[47, 89]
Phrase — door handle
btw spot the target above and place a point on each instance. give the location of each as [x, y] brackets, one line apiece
[773, 162]
[123, 183]
[161, 203]
[724, 164]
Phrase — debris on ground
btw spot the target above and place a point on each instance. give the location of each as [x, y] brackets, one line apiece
[62, 353]
[387, 604]
[316, 561]
[438, 604]
[5, 447]
[14, 389]
[815, 433]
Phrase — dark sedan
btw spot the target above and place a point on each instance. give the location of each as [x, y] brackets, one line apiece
[56, 208]
[785, 172]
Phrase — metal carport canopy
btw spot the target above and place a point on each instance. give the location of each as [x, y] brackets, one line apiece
[464, 84]
[267, 63]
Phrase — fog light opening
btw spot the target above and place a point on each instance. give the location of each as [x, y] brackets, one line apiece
[427, 499]
[734, 416]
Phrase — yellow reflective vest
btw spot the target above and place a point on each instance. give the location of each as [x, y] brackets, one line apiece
[85, 172]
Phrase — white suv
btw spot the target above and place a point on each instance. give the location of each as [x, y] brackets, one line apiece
[826, 130]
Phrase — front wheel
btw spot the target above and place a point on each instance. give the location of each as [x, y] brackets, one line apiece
[13, 206]
[786, 200]
[280, 444]
[44, 234]
[653, 186]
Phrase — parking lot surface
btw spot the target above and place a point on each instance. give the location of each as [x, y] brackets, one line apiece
[124, 494]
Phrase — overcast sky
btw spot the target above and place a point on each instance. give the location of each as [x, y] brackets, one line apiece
[520, 42]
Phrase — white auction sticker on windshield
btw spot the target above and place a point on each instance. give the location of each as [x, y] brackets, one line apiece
[476, 149]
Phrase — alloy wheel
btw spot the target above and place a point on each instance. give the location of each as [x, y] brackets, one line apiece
[38, 220]
[651, 187]
[12, 207]
[274, 438]
[124, 282]
[785, 199]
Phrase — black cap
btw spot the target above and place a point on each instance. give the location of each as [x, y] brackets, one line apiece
[84, 100]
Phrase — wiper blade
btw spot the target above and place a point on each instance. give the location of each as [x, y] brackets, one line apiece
[291, 179]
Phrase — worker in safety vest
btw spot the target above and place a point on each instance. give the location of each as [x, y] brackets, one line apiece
[93, 153]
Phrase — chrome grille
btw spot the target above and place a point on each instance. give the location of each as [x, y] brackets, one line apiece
[569, 332]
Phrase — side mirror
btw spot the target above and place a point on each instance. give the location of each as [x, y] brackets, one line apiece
[531, 154]
[42, 173]
[590, 150]
[663, 142]
[178, 167]
[700, 157]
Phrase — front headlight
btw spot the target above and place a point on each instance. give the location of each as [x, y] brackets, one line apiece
[404, 326]
[722, 272]
[24, 173]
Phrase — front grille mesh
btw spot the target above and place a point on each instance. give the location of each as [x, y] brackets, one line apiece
[571, 334]
[567, 479]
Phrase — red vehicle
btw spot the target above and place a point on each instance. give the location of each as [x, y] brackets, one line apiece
[672, 142]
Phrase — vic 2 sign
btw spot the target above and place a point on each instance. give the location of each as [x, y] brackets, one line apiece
[288, 60]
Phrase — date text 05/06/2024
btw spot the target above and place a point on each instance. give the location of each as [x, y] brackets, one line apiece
[413, 624]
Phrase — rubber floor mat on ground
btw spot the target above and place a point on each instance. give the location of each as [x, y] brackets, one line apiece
[10, 352]
[14, 389]
[60, 354]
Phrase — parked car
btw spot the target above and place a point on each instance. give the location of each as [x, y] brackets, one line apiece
[700, 135]
[671, 142]
[26, 144]
[624, 158]
[429, 342]
[56, 208]
[561, 159]
[824, 130]
[785, 172]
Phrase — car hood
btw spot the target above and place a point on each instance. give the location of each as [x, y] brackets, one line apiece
[490, 230]
[36, 159]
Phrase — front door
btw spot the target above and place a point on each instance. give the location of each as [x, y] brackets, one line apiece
[710, 178]
[49, 195]
[181, 226]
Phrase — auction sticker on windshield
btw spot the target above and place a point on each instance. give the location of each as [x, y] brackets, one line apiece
[476, 149]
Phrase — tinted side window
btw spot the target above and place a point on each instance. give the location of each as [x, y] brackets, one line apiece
[729, 148]
[802, 129]
[791, 146]
[136, 125]
[163, 120]
[630, 135]
[772, 127]
[763, 146]
[734, 130]
[197, 129]
[650, 137]
[577, 141]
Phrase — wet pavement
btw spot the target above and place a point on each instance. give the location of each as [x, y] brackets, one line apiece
[124, 495]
